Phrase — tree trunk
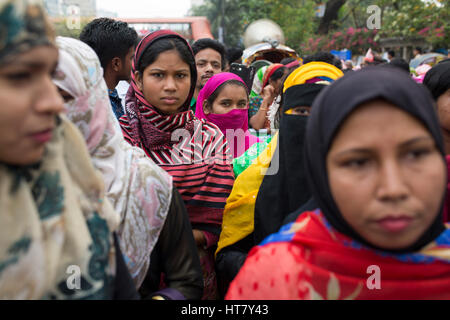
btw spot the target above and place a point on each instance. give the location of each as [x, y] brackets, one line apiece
[331, 14]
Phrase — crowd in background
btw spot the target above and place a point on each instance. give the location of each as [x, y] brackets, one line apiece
[139, 162]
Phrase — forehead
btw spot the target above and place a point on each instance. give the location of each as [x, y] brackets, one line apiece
[208, 54]
[40, 56]
[169, 59]
[379, 123]
[232, 91]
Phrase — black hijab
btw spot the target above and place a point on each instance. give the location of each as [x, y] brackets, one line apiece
[330, 110]
[287, 190]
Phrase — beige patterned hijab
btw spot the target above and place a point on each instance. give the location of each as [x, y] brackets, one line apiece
[54, 219]
[138, 189]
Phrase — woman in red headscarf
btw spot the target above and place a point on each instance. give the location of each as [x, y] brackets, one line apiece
[193, 151]
[270, 91]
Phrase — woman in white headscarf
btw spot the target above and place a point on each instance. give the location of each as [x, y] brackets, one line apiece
[141, 192]
[56, 226]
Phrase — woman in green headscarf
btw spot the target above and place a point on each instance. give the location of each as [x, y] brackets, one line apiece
[56, 226]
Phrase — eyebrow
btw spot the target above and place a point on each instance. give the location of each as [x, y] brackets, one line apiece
[32, 64]
[206, 60]
[161, 70]
[402, 146]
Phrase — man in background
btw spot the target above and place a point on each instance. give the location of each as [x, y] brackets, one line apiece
[210, 60]
[115, 43]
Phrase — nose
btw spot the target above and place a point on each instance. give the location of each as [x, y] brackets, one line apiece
[170, 84]
[49, 100]
[209, 68]
[392, 182]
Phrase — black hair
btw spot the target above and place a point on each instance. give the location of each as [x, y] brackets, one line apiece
[278, 74]
[287, 60]
[234, 54]
[165, 44]
[109, 38]
[391, 53]
[206, 43]
[419, 49]
[323, 56]
[219, 89]
[400, 63]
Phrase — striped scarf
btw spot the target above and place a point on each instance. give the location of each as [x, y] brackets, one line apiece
[197, 157]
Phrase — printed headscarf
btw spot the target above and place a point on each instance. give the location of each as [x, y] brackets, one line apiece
[23, 26]
[139, 190]
[154, 130]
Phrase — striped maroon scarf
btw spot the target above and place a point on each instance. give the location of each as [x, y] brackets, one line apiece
[197, 157]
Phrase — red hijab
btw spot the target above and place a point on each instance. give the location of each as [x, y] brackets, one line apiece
[156, 133]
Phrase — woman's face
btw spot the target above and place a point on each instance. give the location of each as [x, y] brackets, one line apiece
[304, 111]
[278, 84]
[29, 102]
[386, 175]
[230, 97]
[443, 105]
[166, 82]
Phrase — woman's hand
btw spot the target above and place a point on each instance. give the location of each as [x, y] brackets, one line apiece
[268, 94]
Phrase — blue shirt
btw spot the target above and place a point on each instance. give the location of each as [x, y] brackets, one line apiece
[116, 103]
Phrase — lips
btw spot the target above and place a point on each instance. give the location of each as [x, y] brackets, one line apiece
[42, 136]
[169, 100]
[207, 77]
[395, 224]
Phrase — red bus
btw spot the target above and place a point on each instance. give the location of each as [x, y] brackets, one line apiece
[192, 28]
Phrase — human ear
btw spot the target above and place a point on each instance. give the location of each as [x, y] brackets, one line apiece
[116, 64]
[206, 108]
[138, 80]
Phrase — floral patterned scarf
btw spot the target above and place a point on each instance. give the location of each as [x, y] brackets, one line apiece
[139, 190]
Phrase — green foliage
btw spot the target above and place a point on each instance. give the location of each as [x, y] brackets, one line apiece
[358, 40]
[296, 18]
[426, 19]
[233, 25]
[416, 18]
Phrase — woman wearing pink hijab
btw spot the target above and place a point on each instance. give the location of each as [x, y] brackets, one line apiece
[224, 102]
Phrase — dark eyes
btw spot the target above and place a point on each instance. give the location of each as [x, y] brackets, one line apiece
[302, 111]
[22, 77]
[417, 153]
[356, 163]
[161, 75]
[413, 155]
[19, 76]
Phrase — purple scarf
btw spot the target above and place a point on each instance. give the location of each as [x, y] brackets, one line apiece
[232, 121]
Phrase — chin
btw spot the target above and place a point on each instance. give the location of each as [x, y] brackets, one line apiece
[169, 110]
[32, 157]
[394, 244]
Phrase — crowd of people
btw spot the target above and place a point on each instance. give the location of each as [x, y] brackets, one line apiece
[134, 162]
